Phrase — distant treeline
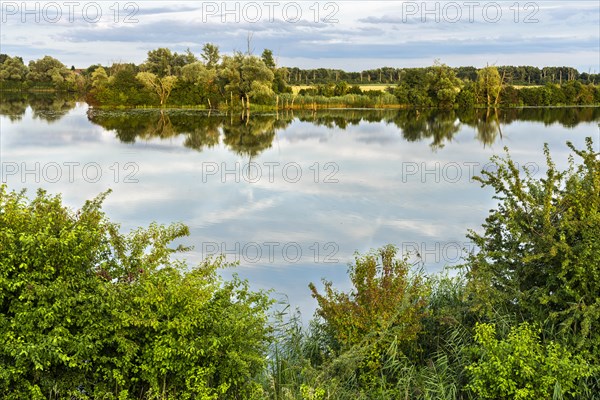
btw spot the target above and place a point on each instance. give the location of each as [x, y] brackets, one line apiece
[521, 75]
[223, 82]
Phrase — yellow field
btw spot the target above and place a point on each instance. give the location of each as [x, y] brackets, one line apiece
[526, 86]
[297, 88]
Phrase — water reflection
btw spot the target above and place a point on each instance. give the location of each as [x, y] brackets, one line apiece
[389, 186]
[249, 135]
[44, 107]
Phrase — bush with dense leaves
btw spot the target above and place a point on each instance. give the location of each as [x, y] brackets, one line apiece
[520, 367]
[87, 312]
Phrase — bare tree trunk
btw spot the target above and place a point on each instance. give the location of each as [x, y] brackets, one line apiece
[500, 88]
[498, 123]
[487, 89]
[249, 42]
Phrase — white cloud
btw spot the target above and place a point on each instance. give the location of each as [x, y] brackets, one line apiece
[366, 35]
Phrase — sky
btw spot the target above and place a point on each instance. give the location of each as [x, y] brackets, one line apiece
[351, 35]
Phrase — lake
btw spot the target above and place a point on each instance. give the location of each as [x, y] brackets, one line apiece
[289, 195]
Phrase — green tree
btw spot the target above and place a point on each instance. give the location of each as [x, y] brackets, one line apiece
[341, 88]
[197, 74]
[99, 78]
[161, 86]
[489, 86]
[200, 82]
[13, 69]
[442, 85]
[210, 55]
[123, 88]
[267, 58]
[160, 62]
[48, 70]
[279, 82]
[247, 77]
[467, 97]
[539, 248]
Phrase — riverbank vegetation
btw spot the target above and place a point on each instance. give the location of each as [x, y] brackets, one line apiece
[87, 312]
[247, 81]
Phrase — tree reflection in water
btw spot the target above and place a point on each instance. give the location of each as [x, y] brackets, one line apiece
[251, 134]
[48, 108]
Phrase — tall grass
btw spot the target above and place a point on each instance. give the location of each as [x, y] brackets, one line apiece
[306, 363]
[382, 100]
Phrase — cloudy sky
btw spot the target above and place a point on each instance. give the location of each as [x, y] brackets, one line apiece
[352, 35]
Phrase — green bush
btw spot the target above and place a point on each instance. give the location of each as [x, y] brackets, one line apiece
[539, 249]
[87, 312]
[521, 367]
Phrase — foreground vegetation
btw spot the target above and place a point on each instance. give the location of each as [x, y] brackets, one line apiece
[245, 81]
[87, 312]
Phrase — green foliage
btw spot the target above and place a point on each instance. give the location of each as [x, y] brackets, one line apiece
[162, 62]
[383, 295]
[210, 55]
[489, 86]
[384, 310]
[246, 77]
[539, 250]
[467, 97]
[267, 59]
[49, 72]
[279, 83]
[86, 312]
[522, 367]
[99, 78]
[442, 85]
[13, 69]
[237, 80]
[122, 88]
[161, 86]
[341, 88]
[350, 353]
[47, 69]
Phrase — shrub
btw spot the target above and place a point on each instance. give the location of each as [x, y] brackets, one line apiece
[86, 311]
[521, 367]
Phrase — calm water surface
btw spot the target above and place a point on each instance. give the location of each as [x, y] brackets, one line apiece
[289, 196]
